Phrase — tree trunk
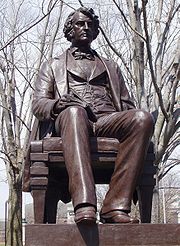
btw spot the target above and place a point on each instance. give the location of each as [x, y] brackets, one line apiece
[14, 233]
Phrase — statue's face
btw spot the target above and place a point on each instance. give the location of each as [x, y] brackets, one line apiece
[83, 29]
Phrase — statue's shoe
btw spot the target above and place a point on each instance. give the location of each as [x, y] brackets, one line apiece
[117, 216]
[85, 215]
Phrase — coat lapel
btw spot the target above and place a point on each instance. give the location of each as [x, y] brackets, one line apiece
[73, 68]
[115, 83]
[97, 70]
[60, 74]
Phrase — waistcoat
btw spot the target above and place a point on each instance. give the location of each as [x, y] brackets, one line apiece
[89, 80]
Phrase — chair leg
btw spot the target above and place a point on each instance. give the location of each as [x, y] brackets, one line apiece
[145, 194]
[39, 183]
[39, 205]
[50, 209]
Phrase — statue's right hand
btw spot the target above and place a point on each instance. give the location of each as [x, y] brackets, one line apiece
[66, 101]
[59, 106]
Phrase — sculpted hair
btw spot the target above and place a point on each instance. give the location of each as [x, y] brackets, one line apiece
[68, 26]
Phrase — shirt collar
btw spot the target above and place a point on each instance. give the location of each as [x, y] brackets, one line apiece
[74, 49]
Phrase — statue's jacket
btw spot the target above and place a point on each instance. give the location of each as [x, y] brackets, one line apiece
[52, 84]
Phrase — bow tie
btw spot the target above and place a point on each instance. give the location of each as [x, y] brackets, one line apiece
[81, 55]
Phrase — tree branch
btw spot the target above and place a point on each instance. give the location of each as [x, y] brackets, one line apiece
[157, 89]
[174, 89]
[164, 34]
[16, 116]
[123, 15]
[55, 31]
[82, 5]
[163, 174]
[37, 22]
[117, 53]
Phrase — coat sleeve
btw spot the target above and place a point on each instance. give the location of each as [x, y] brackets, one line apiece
[44, 96]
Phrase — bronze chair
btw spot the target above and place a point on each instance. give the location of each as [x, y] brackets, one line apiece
[49, 179]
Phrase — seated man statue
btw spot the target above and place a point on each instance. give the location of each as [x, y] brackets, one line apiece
[85, 95]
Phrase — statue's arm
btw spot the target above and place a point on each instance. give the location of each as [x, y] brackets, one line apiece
[44, 96]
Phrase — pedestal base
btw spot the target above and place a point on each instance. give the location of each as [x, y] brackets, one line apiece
[102, 235]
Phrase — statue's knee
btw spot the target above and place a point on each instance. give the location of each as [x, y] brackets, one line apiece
[76, 111]
[72, 116]
[144, 119]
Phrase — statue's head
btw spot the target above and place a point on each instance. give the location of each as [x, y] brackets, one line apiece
[82, 25]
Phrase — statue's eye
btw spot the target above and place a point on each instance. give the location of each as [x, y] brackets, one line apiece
[80, 23]
[84, 23]
[89, 24]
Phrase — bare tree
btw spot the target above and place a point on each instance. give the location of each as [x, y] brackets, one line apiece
[142, 36]
[169, 199]
[18, 68]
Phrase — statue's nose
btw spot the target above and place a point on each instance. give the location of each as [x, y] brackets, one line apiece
[86, 25]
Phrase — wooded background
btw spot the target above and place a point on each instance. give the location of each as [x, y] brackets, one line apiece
[142, 36]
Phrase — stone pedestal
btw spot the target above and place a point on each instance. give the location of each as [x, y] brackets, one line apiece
[102, 235]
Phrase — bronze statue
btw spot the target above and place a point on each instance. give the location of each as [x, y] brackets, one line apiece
[80, 94]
